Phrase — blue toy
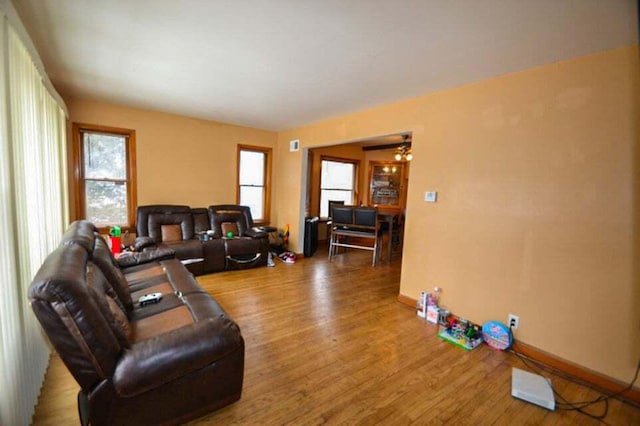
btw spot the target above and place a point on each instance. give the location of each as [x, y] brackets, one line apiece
[497, 335]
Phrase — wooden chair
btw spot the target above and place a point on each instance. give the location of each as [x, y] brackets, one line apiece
[355, 223]
[332, 204]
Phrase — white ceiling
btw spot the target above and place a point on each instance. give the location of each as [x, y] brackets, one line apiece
[279, 64]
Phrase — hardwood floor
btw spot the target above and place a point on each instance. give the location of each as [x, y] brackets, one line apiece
[329, 343]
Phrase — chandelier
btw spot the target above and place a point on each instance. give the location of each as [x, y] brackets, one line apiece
[403, 153]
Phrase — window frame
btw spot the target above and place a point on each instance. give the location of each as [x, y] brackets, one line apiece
[78, 172]
[266, 201]
[356, 173]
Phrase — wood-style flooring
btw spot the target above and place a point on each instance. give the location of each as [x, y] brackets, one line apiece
[328, 343]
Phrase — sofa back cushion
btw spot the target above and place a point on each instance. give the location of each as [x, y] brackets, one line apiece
[84, 234]
[71, 317]
[157, 220]
[143, 212]
[102, 257]
[171, 233]
[106, 298]
[227, 214]
[80, 232]
[200, 219]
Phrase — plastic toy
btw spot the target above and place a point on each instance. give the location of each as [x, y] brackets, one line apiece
[461, 333]
[497, 335]
[287, 257]
[421, 305]
[115, 237]
[284, 236]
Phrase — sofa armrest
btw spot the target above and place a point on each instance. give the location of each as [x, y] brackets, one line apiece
[153, 362]
[138, 258]
[255, 233]
[143, 242]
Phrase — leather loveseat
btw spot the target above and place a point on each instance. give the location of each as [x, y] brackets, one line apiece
[184, 229]
[163, 363]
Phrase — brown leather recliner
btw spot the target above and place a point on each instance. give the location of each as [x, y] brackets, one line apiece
[248, 246]
[165, 363]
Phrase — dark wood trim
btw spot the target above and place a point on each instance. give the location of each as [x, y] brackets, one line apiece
[604, 383]
[238, 150]
[385, 147]
[133, 180]
[405, 300]
[132, 173]
[267, 195]
[339, 159]
[268, 154]
[76, 179]
[607, 385]
[309, 188]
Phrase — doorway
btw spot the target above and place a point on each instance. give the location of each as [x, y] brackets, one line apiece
[370, 172]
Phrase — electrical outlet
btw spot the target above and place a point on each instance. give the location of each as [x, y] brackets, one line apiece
[514, 321]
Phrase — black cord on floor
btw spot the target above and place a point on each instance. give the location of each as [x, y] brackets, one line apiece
[578, 406]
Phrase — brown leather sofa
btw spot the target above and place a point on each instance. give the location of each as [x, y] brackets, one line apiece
[249, 247]
[163, 363]
[184, 229]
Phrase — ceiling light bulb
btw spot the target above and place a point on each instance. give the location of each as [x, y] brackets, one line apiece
[398, 156]
[409, 156]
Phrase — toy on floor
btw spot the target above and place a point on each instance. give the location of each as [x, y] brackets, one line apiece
[461, 333]
[284, 236]
[287, 257]
[497, 335]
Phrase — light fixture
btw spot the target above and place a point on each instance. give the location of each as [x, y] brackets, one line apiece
[404, 150]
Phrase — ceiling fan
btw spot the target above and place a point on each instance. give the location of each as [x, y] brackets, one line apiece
[403, 152]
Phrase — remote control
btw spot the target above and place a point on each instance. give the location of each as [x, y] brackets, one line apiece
[148, 299]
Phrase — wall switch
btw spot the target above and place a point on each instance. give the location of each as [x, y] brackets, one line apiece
[294, 145]
[431, 196]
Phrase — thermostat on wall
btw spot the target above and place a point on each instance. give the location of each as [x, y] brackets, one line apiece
[294, 145]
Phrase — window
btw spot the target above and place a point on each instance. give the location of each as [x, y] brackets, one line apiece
[105, 175]
[337, 183]
[254, 178]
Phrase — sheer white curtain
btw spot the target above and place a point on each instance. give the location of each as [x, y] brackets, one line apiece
[33, 214]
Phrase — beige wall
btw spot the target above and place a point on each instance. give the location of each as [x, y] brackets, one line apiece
[537, 176]
[180, 160]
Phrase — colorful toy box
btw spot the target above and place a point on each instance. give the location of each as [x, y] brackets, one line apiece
[421, 306]
[432, 314]
[461, 333]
